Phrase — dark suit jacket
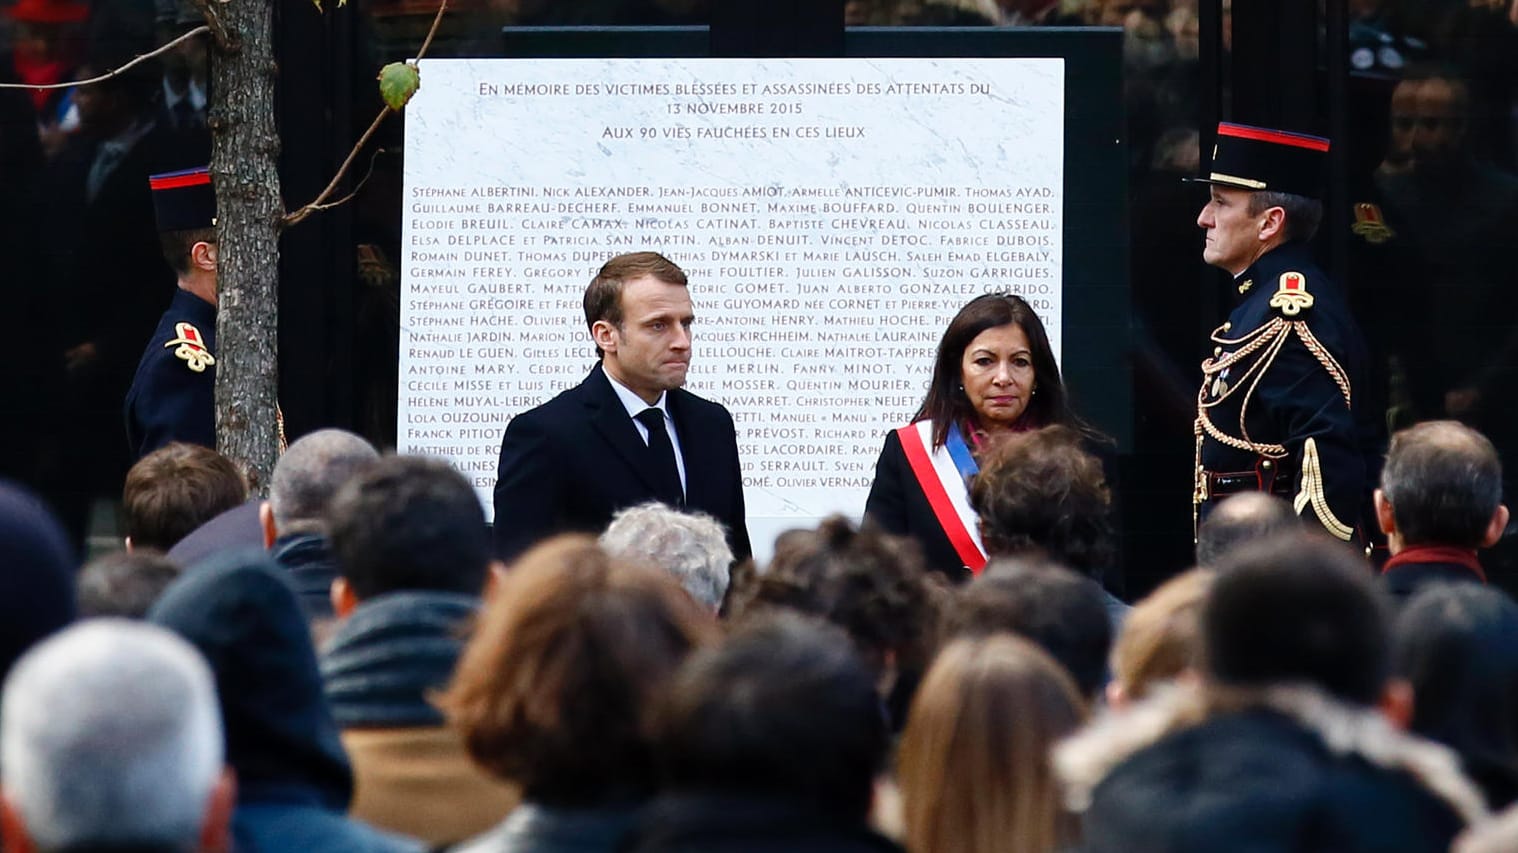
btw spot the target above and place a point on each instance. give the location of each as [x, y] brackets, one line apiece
[573, 462]
[898, 505]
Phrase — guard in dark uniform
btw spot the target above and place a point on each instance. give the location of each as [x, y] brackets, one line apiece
[1274, 410]
[172, 397]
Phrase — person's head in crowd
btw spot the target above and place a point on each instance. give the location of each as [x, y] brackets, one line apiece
[1161, 640]
[293, 521]
[1241, 518]
[1441, 486]
[111, 740]
[123, 584]
[46, 33]
[639, 312]
[174, 490]
[1040, 492]
[870, 584]
[1062, 612]
[692, 546]
[554, 687]
[305, 479]
[973, 764]
[1457, 645]
[36, 573]
[111, 107]
[238, 610]
[407, 523]
[1430, 116]
[184, 206]
[784, 709]
[994, 372]
[1264, 188]
[1298, 609]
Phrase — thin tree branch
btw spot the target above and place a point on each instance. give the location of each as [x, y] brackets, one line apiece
[442, 7]
[201, 30]
[320, 203]
[313, 207]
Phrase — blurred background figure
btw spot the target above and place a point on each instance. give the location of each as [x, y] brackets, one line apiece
[111, 740]
[973, 764]
[1161, 640]
[293, 778]
[770, 741]
[554, 689]
[1241, 519]
[869, 584]
[1457, 645]
[124, 584]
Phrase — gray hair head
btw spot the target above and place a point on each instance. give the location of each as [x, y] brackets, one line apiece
[110, 736]
[1444, 482]
[1240, 519]
[691, 546]
[309, 473]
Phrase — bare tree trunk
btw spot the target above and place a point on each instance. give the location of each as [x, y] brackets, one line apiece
[244, 167]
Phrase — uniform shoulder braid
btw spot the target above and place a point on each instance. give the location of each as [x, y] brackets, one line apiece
[1291, 297]
[191, 347]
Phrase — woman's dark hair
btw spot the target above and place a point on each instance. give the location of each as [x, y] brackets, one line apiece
[1458, 646]
[946, 402]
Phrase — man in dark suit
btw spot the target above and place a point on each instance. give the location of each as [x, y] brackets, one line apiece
[627, 434]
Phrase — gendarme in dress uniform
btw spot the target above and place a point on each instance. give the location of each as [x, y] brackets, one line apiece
[1274, 409]
[172, 397]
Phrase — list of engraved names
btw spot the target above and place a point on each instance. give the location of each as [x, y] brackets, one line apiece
[831, 216]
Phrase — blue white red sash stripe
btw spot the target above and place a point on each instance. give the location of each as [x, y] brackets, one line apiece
[943, 476]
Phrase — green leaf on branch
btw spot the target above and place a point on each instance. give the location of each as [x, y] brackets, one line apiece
[398, 82]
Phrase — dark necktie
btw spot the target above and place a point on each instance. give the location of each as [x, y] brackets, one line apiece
[662, 452]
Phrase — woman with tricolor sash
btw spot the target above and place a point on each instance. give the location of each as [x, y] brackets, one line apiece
[995, 374]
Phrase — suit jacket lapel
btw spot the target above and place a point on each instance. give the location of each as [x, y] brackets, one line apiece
[610, 419]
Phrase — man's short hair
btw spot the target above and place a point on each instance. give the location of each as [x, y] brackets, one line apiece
[1065, 613]
[603, 297]
[1444, 483]
[692, 546]
[1297, 609]
[174, 490]
[309, 473]
[1040, 491]
[110, 737]
[782, 709]
[554, 689]
[409, 523]
[1303, 214]
[123, 584]
[176, 246]
[1239, 519]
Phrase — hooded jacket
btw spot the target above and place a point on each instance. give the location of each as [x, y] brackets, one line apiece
[1277, 770]
[292, 775]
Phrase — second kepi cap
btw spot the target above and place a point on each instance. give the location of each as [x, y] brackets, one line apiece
[1258, 158]
[183, 200]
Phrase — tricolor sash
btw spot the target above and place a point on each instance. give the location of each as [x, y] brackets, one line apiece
[943, 475]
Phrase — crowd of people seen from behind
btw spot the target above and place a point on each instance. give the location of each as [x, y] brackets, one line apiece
[347, 666]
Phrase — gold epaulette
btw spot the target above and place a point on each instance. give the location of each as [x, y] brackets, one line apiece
[191, 347]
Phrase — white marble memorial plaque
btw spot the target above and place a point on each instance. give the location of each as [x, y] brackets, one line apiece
[832, 215]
